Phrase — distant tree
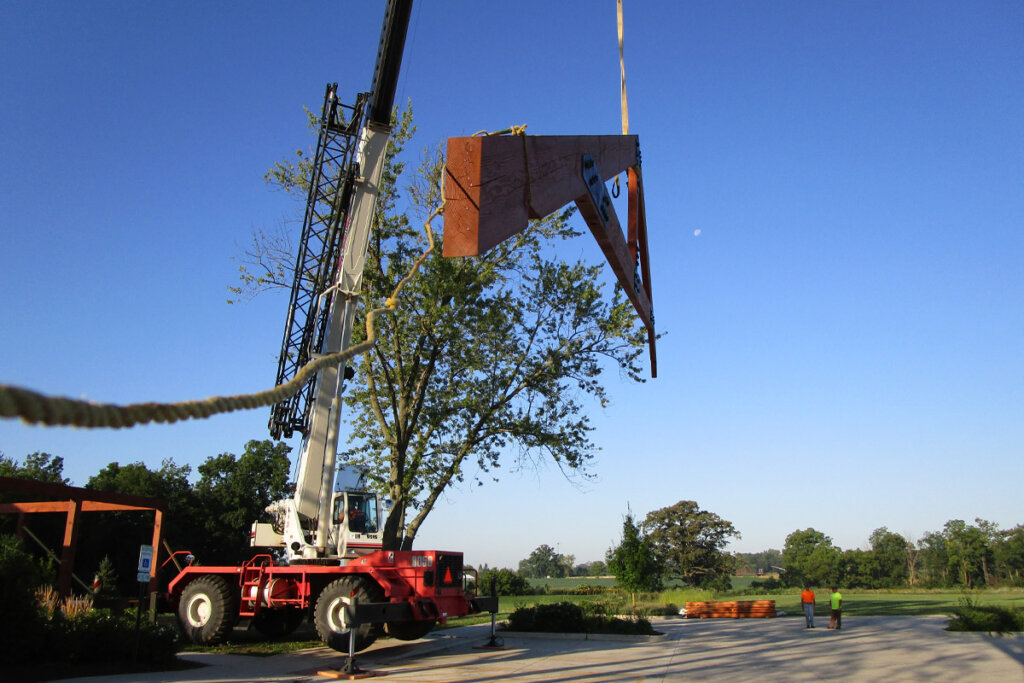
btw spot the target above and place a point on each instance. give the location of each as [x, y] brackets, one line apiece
[809, 556]
[543, 562]
[890, 555]
[857, 568]
[764, 562]
[595, 568]
[634, 562]
[934, 557]
[233, 492]
[506, 582]
[690, 544]
[36, 466]
[968, 552]
[913, 562]
[1009, 555]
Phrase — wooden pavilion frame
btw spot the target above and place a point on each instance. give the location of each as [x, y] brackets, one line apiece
[72, 501]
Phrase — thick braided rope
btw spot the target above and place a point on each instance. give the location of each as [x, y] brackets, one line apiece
[35, 408]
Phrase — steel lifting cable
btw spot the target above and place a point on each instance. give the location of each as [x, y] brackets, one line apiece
[35, 408]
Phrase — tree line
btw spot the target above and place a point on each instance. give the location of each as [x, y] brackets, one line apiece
[209, 517]
[961, 555]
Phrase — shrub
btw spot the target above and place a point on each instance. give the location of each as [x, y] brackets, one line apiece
[506, 582]
[559, 617]
[566, 617]
[968, 615]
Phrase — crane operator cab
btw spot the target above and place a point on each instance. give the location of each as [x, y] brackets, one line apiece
[356, 522]
[355, 529]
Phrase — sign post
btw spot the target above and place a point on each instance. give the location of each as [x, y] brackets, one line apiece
[145, 568]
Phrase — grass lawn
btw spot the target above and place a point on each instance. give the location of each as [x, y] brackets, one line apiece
[891, 603]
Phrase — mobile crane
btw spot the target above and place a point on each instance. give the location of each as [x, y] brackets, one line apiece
[333, 568]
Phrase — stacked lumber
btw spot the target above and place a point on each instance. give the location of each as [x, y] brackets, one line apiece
[734, 609]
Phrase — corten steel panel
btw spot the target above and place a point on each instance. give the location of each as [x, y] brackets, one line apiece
[496, 183]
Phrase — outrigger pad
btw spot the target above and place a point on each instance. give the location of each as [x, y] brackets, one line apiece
[495, 184]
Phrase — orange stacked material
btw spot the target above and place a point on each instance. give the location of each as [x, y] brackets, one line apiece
[757, 609]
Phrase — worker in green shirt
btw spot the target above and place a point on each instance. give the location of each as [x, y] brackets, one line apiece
[835, 619]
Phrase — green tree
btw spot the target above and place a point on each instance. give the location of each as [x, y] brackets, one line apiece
[107, 576]
[1009, 555]
[934, 559]
[968, 550]
[764, 562]
[234, 491]
[37, 466]
[119, 534]
[633, 562]
[543, 562]
[690, 543]
[485, 356]
[890, 552]
[808, 556]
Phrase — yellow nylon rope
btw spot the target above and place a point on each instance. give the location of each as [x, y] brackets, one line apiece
[35, 408]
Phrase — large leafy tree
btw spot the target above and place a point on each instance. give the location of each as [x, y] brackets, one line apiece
[891, 557]
[486, 358]
[38, 466]
[119, 534]
[809, 556]
[233, 492]
[690, 542]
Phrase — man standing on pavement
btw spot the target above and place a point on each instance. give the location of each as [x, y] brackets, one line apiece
[807, 601]
[835, 619]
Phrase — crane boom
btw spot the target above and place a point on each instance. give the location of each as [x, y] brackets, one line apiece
[344, 186]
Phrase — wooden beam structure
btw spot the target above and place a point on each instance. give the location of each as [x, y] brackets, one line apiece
[495, 184]
[73, 501]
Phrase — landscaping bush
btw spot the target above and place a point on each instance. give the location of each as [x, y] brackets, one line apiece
[38, 626]
[566, 617]
[970, 616]
[506, 582]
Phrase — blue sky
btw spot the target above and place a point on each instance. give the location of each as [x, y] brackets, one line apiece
[844, 332]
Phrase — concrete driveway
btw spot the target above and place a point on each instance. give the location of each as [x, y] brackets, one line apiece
[867, 649]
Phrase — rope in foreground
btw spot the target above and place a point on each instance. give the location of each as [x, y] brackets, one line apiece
[35, 408]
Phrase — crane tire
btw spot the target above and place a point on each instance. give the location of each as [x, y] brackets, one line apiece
[206, 611]
[408, 630]
[277, 623]
[329, 614]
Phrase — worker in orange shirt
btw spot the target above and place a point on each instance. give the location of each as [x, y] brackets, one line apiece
[807, 602]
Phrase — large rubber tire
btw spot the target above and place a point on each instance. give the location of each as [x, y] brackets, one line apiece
[206, 611]
[329, 614]
[277, 623]
[408, 630]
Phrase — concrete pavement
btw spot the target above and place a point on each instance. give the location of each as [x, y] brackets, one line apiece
[867, 649]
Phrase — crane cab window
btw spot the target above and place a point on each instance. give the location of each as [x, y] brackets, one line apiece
[359, 511]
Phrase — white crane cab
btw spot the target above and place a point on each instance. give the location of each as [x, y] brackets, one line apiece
[356, 529]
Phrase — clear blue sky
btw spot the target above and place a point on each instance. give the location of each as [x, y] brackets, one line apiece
[844, 334]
